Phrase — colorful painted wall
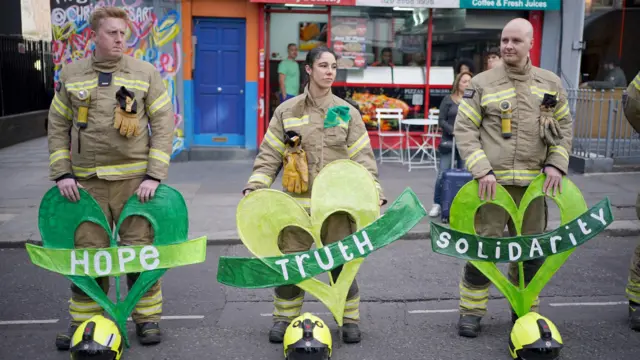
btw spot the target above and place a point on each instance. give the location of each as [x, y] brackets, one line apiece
[242, 9]
[154, 35]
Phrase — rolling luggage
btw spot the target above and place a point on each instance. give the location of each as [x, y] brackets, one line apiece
[452, 180]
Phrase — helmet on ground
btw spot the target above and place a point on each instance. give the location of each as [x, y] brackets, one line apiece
[307, 338]
[534, 337]
[97, 339]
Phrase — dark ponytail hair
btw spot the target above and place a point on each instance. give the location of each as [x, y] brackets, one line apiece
[316, 52]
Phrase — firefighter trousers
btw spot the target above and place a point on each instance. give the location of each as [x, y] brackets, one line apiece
[490, 221]
[633, 283]
[288, 299]
[135, 230]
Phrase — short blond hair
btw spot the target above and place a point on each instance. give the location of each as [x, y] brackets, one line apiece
[107, 12]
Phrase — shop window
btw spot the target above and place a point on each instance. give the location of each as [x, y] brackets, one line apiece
[460, 37]
[382, 59]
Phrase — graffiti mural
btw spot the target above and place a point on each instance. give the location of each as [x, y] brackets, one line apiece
[153, 36]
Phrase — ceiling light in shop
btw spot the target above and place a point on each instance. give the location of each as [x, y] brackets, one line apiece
[397, 8]
[299, 5]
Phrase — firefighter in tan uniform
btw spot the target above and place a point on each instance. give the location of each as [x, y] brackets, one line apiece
[513, 123]
[99, 140]
[306, 133]
[632, 112]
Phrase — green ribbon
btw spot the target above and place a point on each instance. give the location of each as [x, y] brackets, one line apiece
[290, 269]
[116, 261]
[467, 246]
[337, 115]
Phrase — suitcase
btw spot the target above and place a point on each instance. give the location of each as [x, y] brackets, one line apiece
[452, 181]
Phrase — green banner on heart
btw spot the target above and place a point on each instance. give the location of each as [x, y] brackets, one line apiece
[579, 224]
[342, 186]
[59, 218]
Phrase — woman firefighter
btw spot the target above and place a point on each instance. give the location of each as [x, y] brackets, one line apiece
[305, 134]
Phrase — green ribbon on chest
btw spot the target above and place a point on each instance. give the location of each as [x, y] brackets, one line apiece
[337, 116]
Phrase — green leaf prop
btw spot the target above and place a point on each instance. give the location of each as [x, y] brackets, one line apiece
[59, 218]
[341, 186]
[579, 224]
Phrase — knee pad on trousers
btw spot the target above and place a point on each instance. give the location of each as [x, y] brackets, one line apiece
[353, 289]
[530, 268]
[288, 291]
[103, 282]
[473, 276]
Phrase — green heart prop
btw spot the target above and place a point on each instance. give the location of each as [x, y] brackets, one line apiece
[59, 218]
[341, 186]
[573, 209]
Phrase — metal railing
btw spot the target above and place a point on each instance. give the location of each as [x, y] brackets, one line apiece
[26, 75]
[600, 128]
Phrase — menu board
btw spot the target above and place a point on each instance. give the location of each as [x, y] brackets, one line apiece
[411, 101]
[348, 37]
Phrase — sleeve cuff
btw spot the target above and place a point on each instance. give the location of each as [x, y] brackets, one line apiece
[65, 176]
[149, 177]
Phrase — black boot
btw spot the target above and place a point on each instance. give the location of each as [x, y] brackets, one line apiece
[469, 325]
[149, 333]
[351, 333]
[276, 334]
[63, 340]
[634, 316]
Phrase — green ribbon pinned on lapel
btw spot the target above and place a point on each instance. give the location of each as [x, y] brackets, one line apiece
[578, 225]
[59, 218]
[337, 116]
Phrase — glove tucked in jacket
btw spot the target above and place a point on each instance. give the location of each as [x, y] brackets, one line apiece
[295, 178]
[549, 127]
[126, 114]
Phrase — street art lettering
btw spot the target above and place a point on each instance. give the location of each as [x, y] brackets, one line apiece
[152, 36]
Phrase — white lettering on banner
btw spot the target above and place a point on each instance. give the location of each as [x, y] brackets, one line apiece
[299, 260]
[84, 261]
[149, 252]
[452, 4]
[103, 261]
[543, 245]
[96, 264]
[283, 264]
[363, 244]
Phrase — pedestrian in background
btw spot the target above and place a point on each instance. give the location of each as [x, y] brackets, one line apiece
[446, 121]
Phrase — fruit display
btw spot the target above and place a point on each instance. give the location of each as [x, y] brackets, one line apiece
[368, 103]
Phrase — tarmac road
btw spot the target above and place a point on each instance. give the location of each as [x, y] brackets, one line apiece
[408, 312]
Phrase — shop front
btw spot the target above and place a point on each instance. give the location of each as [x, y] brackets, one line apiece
[392, 53]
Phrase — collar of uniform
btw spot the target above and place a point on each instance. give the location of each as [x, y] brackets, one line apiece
[107, 66]
[521, 74]
[321, 102]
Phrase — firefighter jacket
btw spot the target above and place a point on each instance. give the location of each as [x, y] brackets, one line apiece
[87, 89]
[632, 103]
[519, 159]
[306, 116]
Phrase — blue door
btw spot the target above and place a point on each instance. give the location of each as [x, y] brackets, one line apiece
[219, 82]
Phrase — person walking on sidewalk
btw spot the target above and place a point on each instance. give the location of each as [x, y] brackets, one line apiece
[305, 134]
[446, 120]
[632, 112]
[513, 123]
[107, 101]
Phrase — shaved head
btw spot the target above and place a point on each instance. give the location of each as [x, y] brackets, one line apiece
[516, 42]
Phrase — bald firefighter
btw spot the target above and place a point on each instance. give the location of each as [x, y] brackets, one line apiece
[110, 133]
[513, 123]
[305, 134]
[632, 112]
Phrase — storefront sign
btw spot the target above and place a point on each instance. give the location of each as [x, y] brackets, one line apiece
[308, 2]
[511, 4]
[411, 3]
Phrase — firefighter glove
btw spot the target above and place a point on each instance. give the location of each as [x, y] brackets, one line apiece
[549, 127]
[126, 118]
[295, 178]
